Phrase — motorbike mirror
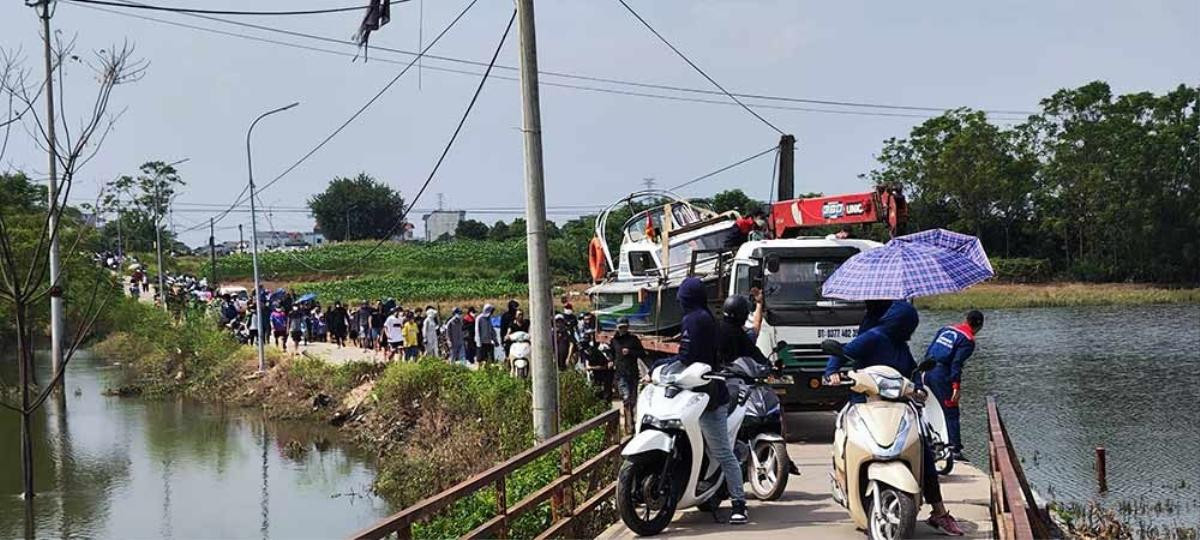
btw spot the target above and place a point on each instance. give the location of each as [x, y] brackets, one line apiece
[832, 346]
[772, 263]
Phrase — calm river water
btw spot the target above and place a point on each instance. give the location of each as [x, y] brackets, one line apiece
[133, 468]
[1067, 380]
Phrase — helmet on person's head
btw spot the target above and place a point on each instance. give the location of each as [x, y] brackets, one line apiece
[736, 309]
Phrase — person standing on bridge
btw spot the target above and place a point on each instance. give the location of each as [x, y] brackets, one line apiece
[951, 347]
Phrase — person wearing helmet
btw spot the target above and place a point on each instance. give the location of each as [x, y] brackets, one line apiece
[733, 341]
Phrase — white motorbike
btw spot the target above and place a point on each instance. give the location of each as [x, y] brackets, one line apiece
[939, 437]
[518, 354]
[665, 464]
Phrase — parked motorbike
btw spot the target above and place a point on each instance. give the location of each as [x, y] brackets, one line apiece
[877, 449]
[518, 354]
[665, 464]
[760, 444]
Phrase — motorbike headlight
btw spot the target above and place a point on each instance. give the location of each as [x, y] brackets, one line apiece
[662, 423]
[889, 387]
[861, 434]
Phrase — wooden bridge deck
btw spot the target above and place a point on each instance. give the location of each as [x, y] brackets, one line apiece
[807, 510]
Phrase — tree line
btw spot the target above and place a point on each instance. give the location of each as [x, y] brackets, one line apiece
[1102, 187]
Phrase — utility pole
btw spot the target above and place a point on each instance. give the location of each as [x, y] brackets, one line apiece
[241, 241]
[212, 255]
[649, 183]
[56, 301]
[545, 372]
[787, 168]
[162, 286]
[258, 299]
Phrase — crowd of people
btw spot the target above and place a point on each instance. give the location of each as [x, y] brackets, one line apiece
[467, 335]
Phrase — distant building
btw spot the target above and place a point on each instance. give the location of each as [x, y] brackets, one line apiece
[439, 222]
[314, 238]
[405, 234]
[278, 239]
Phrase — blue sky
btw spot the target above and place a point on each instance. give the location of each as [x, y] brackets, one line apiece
[203, 89]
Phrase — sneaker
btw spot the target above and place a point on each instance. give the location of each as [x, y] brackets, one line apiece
[959, 456]
[945, 524]
[739, 515]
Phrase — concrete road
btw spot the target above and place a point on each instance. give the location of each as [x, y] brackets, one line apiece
[806, 510]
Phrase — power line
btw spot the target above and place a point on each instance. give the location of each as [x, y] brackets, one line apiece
[725, 168]
[560, 74]
[697, 68]
[399, 222]
[543, 83]
[230, 12]
[366, 105]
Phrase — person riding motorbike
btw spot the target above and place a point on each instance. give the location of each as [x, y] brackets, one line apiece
[698, 344]
[886, 344]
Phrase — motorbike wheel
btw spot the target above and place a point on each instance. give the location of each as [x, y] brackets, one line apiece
[644, 511]
[943, 459]
[893, 515]
[769, 469]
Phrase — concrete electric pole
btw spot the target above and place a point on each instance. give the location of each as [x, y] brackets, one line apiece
[56, 301]
[545, 372]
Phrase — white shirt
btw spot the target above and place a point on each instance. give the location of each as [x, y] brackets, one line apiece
[393, 328]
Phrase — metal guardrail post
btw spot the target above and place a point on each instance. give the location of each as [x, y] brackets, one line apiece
[502, 507]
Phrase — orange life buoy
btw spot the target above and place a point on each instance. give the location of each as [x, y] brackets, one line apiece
[597, 262]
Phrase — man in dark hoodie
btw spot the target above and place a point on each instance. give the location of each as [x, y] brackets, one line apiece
[698, 343]
[886, 344]
[506, 321]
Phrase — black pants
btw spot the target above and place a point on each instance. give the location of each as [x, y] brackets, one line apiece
[487, 353]
[931, 487]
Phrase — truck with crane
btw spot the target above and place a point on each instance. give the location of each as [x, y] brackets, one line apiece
[788, 266]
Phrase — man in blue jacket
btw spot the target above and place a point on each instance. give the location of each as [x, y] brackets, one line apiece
[698, 343]
[951, 347]
[886, 344]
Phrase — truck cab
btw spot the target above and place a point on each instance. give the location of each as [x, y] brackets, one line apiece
[790, 273]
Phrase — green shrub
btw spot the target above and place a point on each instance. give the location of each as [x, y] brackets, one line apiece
[457, 422]
[1022, 270]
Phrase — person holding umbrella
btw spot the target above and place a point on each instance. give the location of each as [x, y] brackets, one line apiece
[921, 264]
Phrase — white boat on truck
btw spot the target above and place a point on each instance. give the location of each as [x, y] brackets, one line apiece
[675, 238]
[666, 240]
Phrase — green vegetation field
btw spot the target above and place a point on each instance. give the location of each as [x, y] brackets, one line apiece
[355, 271]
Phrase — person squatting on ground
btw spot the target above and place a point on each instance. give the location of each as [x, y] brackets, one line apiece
[951, 347]
[698, 343]
[886, 344]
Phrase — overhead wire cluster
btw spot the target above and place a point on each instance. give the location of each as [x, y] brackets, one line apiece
[612, 86]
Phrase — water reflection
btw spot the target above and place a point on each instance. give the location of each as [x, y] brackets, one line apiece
[128, 468]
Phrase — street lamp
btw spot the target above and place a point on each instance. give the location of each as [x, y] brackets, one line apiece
[258, 300]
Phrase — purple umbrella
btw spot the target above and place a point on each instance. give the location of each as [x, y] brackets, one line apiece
[920, 264]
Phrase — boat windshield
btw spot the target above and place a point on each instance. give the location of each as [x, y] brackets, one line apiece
[681, 215]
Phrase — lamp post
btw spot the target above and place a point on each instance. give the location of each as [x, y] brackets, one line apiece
[258, 300]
